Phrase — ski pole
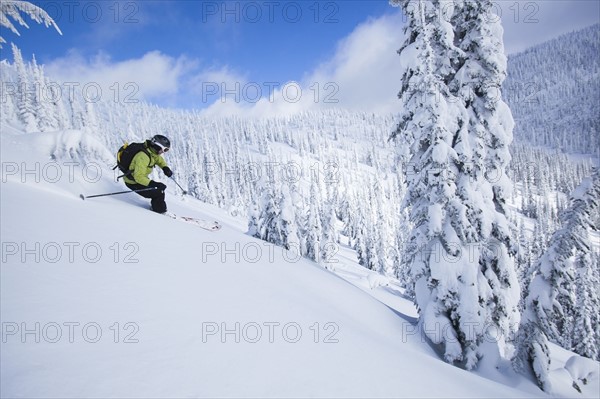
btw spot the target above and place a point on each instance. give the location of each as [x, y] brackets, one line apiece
[184, 192]
[83, 197]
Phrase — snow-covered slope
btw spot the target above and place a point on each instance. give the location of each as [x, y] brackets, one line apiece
[103, 298]
[552, 90]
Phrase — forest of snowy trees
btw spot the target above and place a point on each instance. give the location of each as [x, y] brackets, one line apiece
[449, 183]
[553, 93]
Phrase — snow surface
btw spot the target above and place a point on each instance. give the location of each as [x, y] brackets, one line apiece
[178, 294]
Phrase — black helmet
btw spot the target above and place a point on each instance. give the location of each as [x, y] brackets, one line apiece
[160, 143]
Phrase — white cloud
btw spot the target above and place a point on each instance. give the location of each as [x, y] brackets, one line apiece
[152, 77]
[365, 66]
[362, 74]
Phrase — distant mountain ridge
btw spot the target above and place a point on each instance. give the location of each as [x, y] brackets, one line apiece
[553, 91]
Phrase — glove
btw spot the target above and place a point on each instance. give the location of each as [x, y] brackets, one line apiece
[168, 172]
[160, 186]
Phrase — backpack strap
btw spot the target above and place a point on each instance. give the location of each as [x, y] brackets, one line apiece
[147, 152]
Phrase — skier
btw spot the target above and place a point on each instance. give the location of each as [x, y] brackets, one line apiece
[141, 166]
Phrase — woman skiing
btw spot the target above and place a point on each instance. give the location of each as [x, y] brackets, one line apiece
[142, 164]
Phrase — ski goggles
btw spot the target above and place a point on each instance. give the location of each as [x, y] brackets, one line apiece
[162, 147]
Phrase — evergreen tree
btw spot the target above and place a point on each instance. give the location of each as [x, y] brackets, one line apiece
[77, 113]
[264, 225]
[314, 228]
[587, 310]
[7, 106]
[46, 116]
[329, 234]
[57, 106]
[550, 303]
[480, 74]
[288, 226]
[360, 235]
[25, 106]
[460, 248]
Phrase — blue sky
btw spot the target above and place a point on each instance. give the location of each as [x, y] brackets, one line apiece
[178, 52]
[268, 39]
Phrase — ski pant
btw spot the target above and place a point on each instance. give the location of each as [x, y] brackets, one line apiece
[157, 197]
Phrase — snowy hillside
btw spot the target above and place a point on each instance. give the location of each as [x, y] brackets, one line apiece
[114, 301]
[553, 92]
[102, 298]
[336, 225]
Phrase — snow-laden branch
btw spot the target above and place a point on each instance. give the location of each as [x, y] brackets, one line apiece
[14, 8]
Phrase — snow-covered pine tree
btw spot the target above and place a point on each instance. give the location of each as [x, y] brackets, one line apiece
[25, 106]
[423, 130]
[328, 235]
[347, 211]
[314, 228]
[586, 340]
[549, 305]
[361, 226]
[56, 104]
[388, 257]
[253, 219]
[460, 247]
[372, 236]
[7, 102]
[479, 76]
[264, 225]
[77, 112]
[301, 218]
[287, 224]
[211, 184]
[43, 109]
[273, 216]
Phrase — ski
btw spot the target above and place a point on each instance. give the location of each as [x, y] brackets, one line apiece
[204, 224]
